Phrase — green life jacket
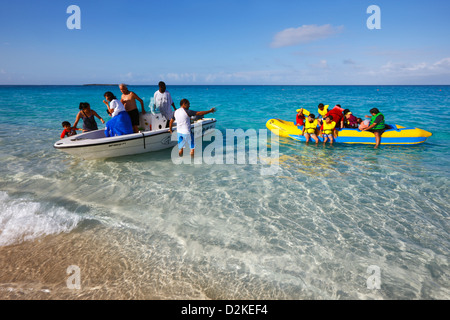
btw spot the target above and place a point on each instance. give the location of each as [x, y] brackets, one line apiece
[380, 125]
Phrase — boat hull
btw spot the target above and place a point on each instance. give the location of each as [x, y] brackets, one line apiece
[94, 144]
[395, 135]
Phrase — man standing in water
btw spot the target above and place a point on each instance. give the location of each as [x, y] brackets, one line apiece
[163, 101]
[129, 101]
[183, 118]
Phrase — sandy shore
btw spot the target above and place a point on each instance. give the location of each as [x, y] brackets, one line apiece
[37, 269]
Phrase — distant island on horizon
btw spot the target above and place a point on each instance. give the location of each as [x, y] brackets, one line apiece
[280, 85]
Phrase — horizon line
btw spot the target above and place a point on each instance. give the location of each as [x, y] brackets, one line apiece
[219, 85]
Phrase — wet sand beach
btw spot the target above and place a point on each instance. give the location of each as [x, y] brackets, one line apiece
[38, 269]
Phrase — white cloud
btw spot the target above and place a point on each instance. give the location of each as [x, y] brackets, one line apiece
[128, 76]
[314, 72]
[241, 77]
[442, 64]
[180, 77]
[421, 68]
[303, 34]
[323, 64]
[411, 73]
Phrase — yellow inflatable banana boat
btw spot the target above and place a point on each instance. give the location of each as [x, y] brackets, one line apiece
[394, 134]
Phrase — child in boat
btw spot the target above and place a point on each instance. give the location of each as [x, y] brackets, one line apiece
[349, 120]
[322, 110]
[301, 116]
[362, 124]
[310, 128]
[337, 115]
[328, 130]
[68, 130]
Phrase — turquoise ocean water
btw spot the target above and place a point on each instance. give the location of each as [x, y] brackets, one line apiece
[314, 230]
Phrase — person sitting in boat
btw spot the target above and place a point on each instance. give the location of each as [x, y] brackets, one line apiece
[337, 115]
[349, 120]
[377, 125]
[88, 116]
[68, 130]
[301, 116]
[322, 110]
[362, 124]
[328, 130]
[310, 128]
[120, 124]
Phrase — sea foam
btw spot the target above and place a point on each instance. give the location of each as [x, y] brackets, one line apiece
[22, 219]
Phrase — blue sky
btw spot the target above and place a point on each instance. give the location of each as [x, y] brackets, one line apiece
[225, 42]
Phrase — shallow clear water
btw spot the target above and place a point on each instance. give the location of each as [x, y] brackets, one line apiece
[311, 231]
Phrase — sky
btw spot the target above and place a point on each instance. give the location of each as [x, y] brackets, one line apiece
[225, 42]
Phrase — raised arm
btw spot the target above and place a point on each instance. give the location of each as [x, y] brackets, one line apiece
[202, 113]
[110, 111]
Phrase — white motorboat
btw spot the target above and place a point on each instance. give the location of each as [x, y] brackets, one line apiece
[153, 136]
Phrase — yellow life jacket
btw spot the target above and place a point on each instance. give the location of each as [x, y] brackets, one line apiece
[324, 111]
[310, 127]
[305, 112]
[328, 128]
